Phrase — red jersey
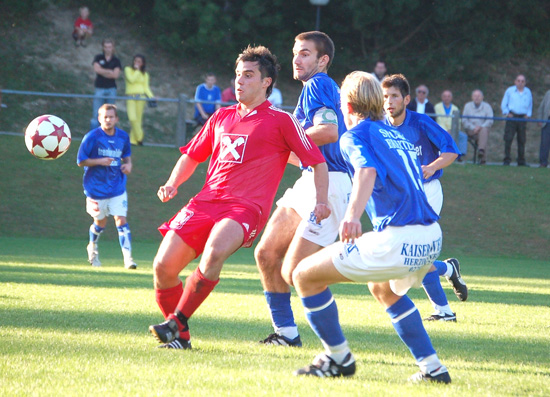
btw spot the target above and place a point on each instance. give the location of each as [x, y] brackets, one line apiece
[249, 154]
[84, 24]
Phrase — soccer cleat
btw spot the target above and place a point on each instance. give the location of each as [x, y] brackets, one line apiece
[177, 343]
[93, 254]
[130, 264]
[441, 317]
[440, 375]
[165, 332]
[459, 286]
[324, 366]
[280, 340]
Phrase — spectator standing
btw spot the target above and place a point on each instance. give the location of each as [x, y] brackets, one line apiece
[447, 108]
[516, 103]
[107, 68]
[421, 104]
[228, 95]
[276, 98]
[137, 86]
[83, 27]
[478, 128]
[207, 91]
[380, 71]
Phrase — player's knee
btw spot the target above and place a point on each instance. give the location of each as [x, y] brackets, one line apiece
[267, 260]
[164, 274]
[298, 276]
[287, 275]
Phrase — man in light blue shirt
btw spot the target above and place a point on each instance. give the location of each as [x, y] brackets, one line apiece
[517, 103]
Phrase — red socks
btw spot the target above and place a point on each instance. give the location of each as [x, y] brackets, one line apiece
[197, 288]
[168, 299]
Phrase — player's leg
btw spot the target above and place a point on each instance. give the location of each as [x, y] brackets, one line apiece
[269, 255]
[118, 207]
[311, 279]
[408, 325]
[225, 238]
[97, 210]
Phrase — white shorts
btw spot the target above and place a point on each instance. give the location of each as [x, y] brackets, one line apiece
[434, 193]
[401, 255]
[99, 209]
[302, 198]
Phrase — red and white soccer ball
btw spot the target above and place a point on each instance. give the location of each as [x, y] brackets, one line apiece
[48, 137]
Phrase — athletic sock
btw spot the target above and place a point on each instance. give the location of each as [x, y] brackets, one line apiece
[434, 290]
[408, 325]
[322, 315]
[125, 240]
[281, 313]
[95, 232]
[197, 288]
[444, 268]
[168, 299]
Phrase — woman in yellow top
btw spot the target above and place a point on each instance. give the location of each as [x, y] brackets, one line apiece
[137, 85]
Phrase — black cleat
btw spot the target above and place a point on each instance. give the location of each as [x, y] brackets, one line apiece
[165, 332]
[280, 340]
[324, 366]
[177, 343]
[440, 375]
[441, 317]
[459, 286]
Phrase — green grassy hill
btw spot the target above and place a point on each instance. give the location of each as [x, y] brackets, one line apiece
[488, 211]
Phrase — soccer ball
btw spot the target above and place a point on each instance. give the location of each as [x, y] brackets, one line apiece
[48, 137]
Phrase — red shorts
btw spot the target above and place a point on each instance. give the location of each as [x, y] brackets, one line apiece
[195, 221]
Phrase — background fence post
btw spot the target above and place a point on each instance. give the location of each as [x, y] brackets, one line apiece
[181, 129]
[454, 125]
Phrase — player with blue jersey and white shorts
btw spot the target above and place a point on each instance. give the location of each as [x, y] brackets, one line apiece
[293, 233]
[436, 150]
[105, 154]
[387, 184]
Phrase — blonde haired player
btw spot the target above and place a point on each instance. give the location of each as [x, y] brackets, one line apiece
[387, 183]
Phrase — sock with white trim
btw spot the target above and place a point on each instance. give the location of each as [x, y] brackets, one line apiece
[322, 315]
[95, 232]
[125, 240]
[443, 268]
[408, 325]
[281, 313]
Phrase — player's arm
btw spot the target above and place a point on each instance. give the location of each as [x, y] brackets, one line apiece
[183, 169]
[320, 177]
[325, 127]
[126, 166]
[363, 184]
[444, 160]
[105, 161]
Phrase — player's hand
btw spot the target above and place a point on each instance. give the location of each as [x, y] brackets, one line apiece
[166, 193]
[126, 168]
[427, 171]
[321, 211]
[105, 161]
[350, 229]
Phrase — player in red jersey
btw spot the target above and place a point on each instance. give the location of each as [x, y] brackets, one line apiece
[250, 143]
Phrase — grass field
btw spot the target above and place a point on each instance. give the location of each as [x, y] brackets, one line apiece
[69, 329]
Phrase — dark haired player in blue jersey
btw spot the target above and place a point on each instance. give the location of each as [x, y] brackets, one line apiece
[436, 150]
[293, 232]
[105, 155]
[387, 184]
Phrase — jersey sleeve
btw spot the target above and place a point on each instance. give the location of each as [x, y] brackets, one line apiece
[439, 137]
[358, 153]
[127, 149]
[85, 149]
[200, 147]
[299, 142]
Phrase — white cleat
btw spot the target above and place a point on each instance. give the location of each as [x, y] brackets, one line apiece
[130, 264]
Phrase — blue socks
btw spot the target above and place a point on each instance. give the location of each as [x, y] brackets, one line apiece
[95, 231]
[281, 313]
[322, 315]
[443, 268]
[434, 290]
[408, 325]
[125, 240]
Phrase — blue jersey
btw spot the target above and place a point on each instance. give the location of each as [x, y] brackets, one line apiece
[318, 92]
[202, 93]
[102, 182]
[398, 197]
[428, 138]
